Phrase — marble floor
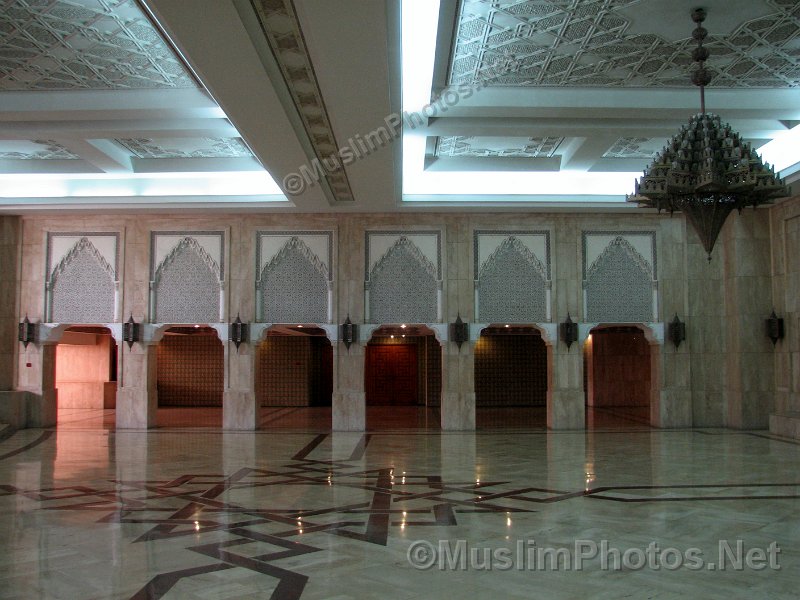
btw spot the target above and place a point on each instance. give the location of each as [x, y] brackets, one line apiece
[378, 418]
[89, 512]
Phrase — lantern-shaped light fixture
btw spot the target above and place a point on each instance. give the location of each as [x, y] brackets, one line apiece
[26, 332]
[237, 332]
[131, 332]
[677, 331]
[568, 331]
[459, 331]
[775, 330]
[349, 332]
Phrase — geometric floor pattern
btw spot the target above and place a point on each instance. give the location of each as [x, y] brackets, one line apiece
[95, 513]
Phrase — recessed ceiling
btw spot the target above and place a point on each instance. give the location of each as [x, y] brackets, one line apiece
[127, 103]
[96, 104]
[608, 79]
[84, 44]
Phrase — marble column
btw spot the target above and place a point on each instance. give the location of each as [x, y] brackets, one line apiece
[137, 396]
[349, 398]
[458, 386]
[565, 398]
[240, 407]
[42, 399]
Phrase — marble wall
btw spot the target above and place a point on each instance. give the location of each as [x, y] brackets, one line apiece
[694, 382]
[13, 404]
[9, 264]
[785, 234]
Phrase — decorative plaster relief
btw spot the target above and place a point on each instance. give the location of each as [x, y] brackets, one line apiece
[512, 281]
[82, 283]
[294, 276]
[187, 277]
[620, 281]
[284, 36]
[403, 278]
[85, 44]
[592, 43]
[480, 146]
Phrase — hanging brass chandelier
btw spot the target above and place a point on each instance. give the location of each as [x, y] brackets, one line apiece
[706, 170]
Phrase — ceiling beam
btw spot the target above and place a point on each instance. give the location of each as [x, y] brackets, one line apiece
[236, 78]
[582, 127]
[194, 165]
[107, 156]
[583, 153]
[134, 128]
[97, 105]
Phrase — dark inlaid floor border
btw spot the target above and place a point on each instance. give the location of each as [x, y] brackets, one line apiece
[46, 435]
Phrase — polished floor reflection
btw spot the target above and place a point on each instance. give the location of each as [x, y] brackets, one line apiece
[89, 512]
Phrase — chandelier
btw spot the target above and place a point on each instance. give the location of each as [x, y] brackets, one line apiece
[706, 170]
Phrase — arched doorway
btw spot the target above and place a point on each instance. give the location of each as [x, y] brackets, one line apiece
[86, 377]
[511, 377]
[294, 378]
[403, 378]
[618, 377]
[190, 377]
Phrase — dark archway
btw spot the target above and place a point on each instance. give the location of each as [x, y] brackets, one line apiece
[86, 377]
[294, 378]
[511, 377]
[618, 377]
[403, 378]
[190, 377]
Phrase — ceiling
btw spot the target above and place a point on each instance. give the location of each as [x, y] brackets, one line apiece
[295, 105]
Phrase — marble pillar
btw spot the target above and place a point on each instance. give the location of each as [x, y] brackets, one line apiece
[349, 400]
[137, 395]
[458, 387]
[240, 407]
[565, 397]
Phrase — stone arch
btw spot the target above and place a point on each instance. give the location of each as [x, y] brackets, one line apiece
[634, 374]
[619, 285]
[293, 286]
[403, 287]
[82, 286]
[512, 285]
[294, 368]
[403, 376]
[513, 376]
[187, 285]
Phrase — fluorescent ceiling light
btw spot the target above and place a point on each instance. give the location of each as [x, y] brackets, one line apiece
[783, 151]
[420, 21]
[247, 183]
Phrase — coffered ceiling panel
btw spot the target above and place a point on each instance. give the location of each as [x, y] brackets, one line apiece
[186, 147]
[634, 147]
[84, 44]
[34, 150]
[523, 147]
[622, 43]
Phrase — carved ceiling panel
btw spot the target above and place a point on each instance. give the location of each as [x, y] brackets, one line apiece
[594, 43]
[84, 44]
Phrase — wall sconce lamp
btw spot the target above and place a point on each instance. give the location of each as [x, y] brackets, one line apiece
[349, 332]
[676, 331]
[237, 333]
[459, 331]
[27, 332]
[775, 328]
[131, 332]
[568, 331]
